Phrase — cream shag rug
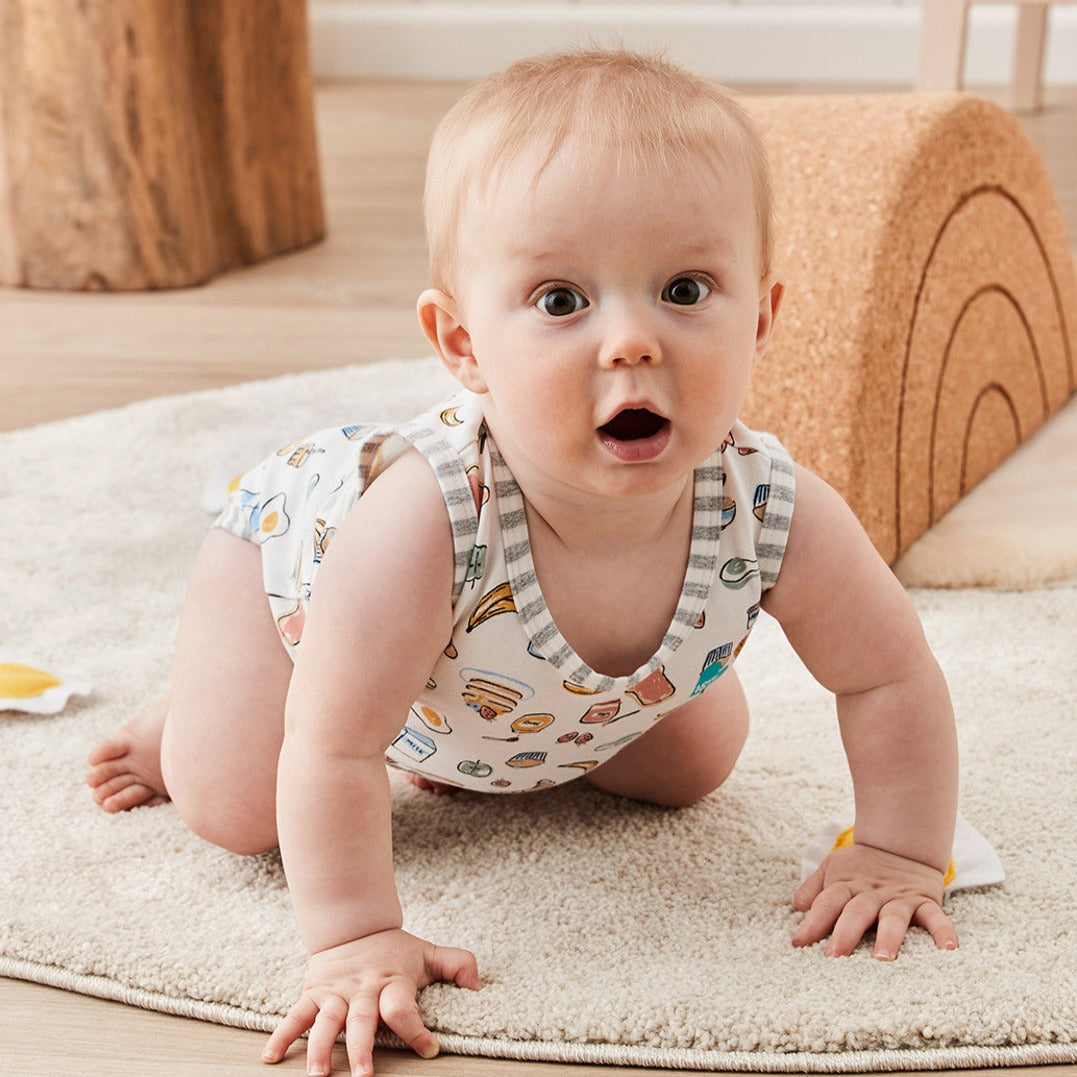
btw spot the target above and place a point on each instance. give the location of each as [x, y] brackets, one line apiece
[606, 931]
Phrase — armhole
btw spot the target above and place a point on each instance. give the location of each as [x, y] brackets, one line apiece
[778, 513]
[451, 475]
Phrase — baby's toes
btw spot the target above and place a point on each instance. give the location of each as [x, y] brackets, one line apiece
[130, 796]
[111, 749]
[106, 787]
[109, 771]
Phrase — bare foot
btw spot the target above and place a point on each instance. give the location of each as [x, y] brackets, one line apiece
[439, 789]
[125, 769]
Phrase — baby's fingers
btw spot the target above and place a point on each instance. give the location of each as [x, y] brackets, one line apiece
[937, 924]
[361, 1028]
[894, 919]
[298, 1019]
[327, 1026]
[822, 914]
[400, 1012]
[856, 918]
[452, 965]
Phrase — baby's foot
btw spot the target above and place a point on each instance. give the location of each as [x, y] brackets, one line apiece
[439, 789]
[125, 769]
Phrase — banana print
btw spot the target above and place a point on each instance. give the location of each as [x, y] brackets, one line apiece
[498, 600]
[508, 706]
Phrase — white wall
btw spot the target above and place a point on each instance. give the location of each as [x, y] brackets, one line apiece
[872, 41]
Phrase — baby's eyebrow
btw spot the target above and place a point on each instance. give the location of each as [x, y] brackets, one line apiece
[720, 244]
[545, 255]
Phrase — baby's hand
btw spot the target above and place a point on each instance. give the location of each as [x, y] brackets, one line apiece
[857, 886]
[350, 986]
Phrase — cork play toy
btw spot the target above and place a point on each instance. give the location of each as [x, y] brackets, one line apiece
[930, 323]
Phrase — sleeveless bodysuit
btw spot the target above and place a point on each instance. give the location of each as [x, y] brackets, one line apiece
[509, 707]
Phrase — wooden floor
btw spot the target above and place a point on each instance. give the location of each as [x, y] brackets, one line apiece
[350, 299]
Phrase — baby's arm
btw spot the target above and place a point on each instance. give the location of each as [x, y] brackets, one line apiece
[378, 618]
[856, 630]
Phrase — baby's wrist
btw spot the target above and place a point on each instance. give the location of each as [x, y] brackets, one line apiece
[328, 935]
[928, 853]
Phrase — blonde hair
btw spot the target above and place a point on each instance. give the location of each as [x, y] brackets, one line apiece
[642, 107]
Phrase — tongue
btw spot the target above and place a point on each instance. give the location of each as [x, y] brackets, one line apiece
[634, 424]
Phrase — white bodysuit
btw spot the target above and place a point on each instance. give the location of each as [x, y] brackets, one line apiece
[509, 706]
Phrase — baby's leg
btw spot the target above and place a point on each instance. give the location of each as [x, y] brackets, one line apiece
[221, 733]
[685, 756]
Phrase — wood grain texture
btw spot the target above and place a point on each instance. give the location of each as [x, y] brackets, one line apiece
[149, 144]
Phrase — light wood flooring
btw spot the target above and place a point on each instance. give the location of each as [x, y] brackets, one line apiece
[349, 299]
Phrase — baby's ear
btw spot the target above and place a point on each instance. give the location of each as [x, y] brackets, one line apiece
[441, 319]
[770, 299]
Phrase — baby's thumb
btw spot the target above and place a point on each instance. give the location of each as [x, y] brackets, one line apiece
[456, 966]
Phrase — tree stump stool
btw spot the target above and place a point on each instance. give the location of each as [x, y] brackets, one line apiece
[153, 143]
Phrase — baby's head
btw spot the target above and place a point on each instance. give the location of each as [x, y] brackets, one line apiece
[644, 109]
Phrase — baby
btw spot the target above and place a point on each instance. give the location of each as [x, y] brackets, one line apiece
[549, 576]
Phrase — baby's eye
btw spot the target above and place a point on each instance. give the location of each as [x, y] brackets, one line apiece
[685, 291]
[558, 302]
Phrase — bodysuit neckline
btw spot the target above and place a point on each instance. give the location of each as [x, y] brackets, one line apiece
[546, 639]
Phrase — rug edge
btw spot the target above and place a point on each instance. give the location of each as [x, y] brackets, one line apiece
[606, 1054]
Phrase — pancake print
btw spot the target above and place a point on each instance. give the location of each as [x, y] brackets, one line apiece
[518, 705]
[492, 694]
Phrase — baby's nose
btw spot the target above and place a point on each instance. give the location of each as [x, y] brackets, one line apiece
[630, 357]
[631, 344]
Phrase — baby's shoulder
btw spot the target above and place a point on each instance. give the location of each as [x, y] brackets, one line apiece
[400, 526]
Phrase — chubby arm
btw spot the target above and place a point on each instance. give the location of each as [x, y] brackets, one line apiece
[378, 617]
[856, 630]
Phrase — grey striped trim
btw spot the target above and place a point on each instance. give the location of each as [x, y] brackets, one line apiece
[455, 488]
[774, 534]
[531, 606]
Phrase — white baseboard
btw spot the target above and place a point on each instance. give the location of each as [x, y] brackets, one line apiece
[771, 43]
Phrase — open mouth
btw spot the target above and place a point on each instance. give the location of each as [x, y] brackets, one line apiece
[634, 424]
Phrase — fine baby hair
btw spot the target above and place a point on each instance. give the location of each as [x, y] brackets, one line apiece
[643, 108]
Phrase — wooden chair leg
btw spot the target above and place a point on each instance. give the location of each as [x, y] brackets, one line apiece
[942, 45]
[1028, 57]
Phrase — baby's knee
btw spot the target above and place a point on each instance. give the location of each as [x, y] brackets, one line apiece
[220, 811]
[229, 826]
[700, 777]
[686, 756]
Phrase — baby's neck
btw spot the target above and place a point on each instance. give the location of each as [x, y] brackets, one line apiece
[612, 576]
[611, 527]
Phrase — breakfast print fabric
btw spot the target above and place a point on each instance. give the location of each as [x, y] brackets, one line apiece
[510, 706]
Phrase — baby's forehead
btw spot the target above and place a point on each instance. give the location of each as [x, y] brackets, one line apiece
[495, 170]
[525, 168]
[579, 205]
